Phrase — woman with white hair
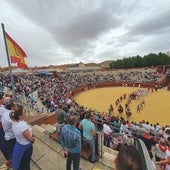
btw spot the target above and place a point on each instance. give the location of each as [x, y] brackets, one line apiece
[160, 150]
[165, 164]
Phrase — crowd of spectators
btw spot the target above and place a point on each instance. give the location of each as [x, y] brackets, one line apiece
[53, 89]
[139, 76]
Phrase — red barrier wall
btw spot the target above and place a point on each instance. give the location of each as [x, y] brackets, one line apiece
[109, 84]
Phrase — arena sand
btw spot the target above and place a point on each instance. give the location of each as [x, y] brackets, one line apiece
[156, 109]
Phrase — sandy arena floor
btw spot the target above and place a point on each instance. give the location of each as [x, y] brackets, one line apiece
[157, 104]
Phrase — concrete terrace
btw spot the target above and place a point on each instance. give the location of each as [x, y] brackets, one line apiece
[48, 155]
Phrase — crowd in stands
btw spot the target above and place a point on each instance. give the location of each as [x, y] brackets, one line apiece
[53, 90]
[135, 76]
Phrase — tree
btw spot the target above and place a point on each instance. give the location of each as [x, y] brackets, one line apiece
[149, 60]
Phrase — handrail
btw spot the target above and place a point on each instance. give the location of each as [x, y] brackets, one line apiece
[146, 161]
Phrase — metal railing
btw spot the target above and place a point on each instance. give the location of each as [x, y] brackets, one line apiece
[146, 160]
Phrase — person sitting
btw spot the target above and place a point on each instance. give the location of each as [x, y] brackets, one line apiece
[165, 164]
[160, 150]
[128, 158]
[149, 142]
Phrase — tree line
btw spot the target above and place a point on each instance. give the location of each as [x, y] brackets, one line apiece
[149, 60]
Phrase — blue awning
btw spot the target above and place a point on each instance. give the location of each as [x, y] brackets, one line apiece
[44, 72]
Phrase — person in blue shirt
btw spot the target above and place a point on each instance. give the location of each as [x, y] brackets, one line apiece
[71, 143]
[89, 134]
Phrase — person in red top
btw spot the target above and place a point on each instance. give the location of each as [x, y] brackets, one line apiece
[149, 142]
[165, 164]
[160, 150]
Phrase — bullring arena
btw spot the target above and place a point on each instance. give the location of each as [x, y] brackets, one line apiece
[156, 109]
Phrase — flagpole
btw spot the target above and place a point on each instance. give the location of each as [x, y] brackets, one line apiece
[9, 63]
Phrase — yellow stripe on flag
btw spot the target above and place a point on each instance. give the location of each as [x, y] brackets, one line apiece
[16, 53]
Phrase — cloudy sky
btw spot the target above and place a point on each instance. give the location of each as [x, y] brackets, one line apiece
[54, 32]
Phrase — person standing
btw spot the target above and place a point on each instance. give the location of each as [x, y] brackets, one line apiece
[2, 133]
[116, 125]
[60, 114]
[71, 112]
[10, 140]
[111, 109]
[71, 143]
[89, 134]
[23, 148]
[120, 109]
[107, 132]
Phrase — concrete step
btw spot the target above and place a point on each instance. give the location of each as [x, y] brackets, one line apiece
[46, 157]
[36, 119]
[4, 167]
[2, 159]
[49, 128]
[48, 154]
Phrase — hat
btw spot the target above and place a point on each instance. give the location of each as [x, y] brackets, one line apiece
[146, 135]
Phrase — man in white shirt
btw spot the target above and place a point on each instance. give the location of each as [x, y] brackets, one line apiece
[107, 132]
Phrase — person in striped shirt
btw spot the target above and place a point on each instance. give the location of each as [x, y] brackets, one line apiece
[71, 143]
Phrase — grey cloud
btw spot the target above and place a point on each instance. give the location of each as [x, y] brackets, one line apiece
[62, 31]
[151, 25]
[84, 29]
[71, 23]
[155, 25]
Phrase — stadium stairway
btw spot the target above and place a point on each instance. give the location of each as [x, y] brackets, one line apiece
[48, 155]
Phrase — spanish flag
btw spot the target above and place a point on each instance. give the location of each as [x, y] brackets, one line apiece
[16, 53]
